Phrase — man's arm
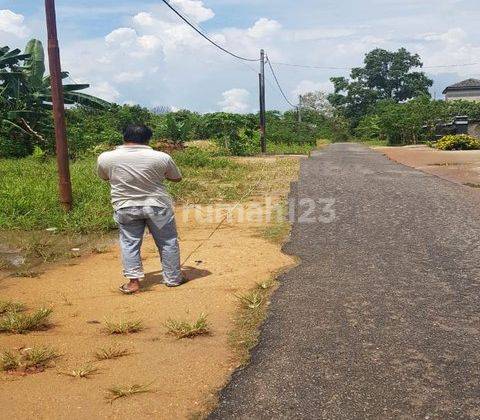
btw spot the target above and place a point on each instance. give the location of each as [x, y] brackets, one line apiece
[101, 169]
[173, 173]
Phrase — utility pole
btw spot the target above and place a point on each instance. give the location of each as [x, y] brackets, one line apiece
[65, 186]
[299, 109]
[262, 103]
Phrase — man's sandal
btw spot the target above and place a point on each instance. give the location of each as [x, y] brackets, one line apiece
[126, 291]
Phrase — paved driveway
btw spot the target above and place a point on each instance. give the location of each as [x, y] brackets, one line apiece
[381, 318]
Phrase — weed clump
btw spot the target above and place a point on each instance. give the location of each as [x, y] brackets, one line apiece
[21, 323]
[123, 327]
[122, 391]
[30, 360]
[185, 329]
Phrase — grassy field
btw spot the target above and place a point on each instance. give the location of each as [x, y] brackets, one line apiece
[29, 189]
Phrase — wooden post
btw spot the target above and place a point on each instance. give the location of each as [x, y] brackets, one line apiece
[65, 186]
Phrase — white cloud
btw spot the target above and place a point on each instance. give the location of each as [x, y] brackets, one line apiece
[105, 91]
[264, 27]
[132, 44]
[128, 76]
[306, 86]
[123, 37]
[316, 34]
[144, 19]
[12, 23]
[194, 9]
[235, 100]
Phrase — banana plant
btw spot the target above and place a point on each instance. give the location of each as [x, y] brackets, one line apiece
[25, 91]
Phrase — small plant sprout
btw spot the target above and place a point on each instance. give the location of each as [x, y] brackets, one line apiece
[108, 353]
[184, 329]
[7, 306]
[29, 360]
[82, 372]
[265, 285]
[251, 300]
[123, 327]
[119, 391]
[21, 323]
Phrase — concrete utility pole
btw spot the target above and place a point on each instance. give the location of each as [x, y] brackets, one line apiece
[262, 103]
[65, 186]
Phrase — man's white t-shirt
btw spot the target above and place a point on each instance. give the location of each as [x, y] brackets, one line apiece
[136, 175]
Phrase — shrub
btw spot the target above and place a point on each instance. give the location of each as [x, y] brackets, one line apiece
[458, 142]
[243, 142]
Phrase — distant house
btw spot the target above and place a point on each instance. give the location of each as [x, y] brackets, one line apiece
[468, 90]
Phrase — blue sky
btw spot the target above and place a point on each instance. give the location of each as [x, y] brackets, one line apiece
[139, 52]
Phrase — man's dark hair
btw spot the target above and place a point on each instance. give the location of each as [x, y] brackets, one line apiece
[140, 134]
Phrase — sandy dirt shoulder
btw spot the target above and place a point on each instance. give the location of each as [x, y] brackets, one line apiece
[456, 166]
[185, 374]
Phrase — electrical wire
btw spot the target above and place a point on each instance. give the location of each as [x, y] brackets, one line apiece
[205, 36]
[304, 66]
[278, 84]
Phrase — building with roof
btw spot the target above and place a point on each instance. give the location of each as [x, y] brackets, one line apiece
[468, 90]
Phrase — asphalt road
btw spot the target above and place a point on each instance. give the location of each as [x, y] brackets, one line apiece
[381, 318]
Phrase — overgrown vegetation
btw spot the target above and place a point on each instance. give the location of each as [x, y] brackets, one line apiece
[29, 191]
[458, 142]
[25, 101]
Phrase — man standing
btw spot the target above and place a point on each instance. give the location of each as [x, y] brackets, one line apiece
[136, 174]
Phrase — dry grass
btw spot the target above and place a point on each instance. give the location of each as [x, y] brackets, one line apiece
[7, 306]
[251, 300]
[185, 329]
[251, 314]
[30, 360]
[122, 391]
[123, 327]
[21, 323]
[82, 372]
[108, 353]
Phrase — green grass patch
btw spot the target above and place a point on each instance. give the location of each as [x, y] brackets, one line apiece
[250, 315]
[30, 360]
[185, 329]
[123, 327]
[29, 199]
[21, 323]
[8, 306]
[290, 148]
[373, 142]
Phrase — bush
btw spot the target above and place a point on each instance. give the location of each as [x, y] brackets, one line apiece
[458, 142]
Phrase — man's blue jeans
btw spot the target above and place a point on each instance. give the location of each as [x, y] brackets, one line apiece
[161, 223]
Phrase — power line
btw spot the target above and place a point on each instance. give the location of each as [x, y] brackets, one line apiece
[278, 84]
[311, 67]
[205, 36]
[349, 68]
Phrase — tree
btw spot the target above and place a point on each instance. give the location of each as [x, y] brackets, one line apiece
[386, 75]
[26, 98]
[317, 101]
